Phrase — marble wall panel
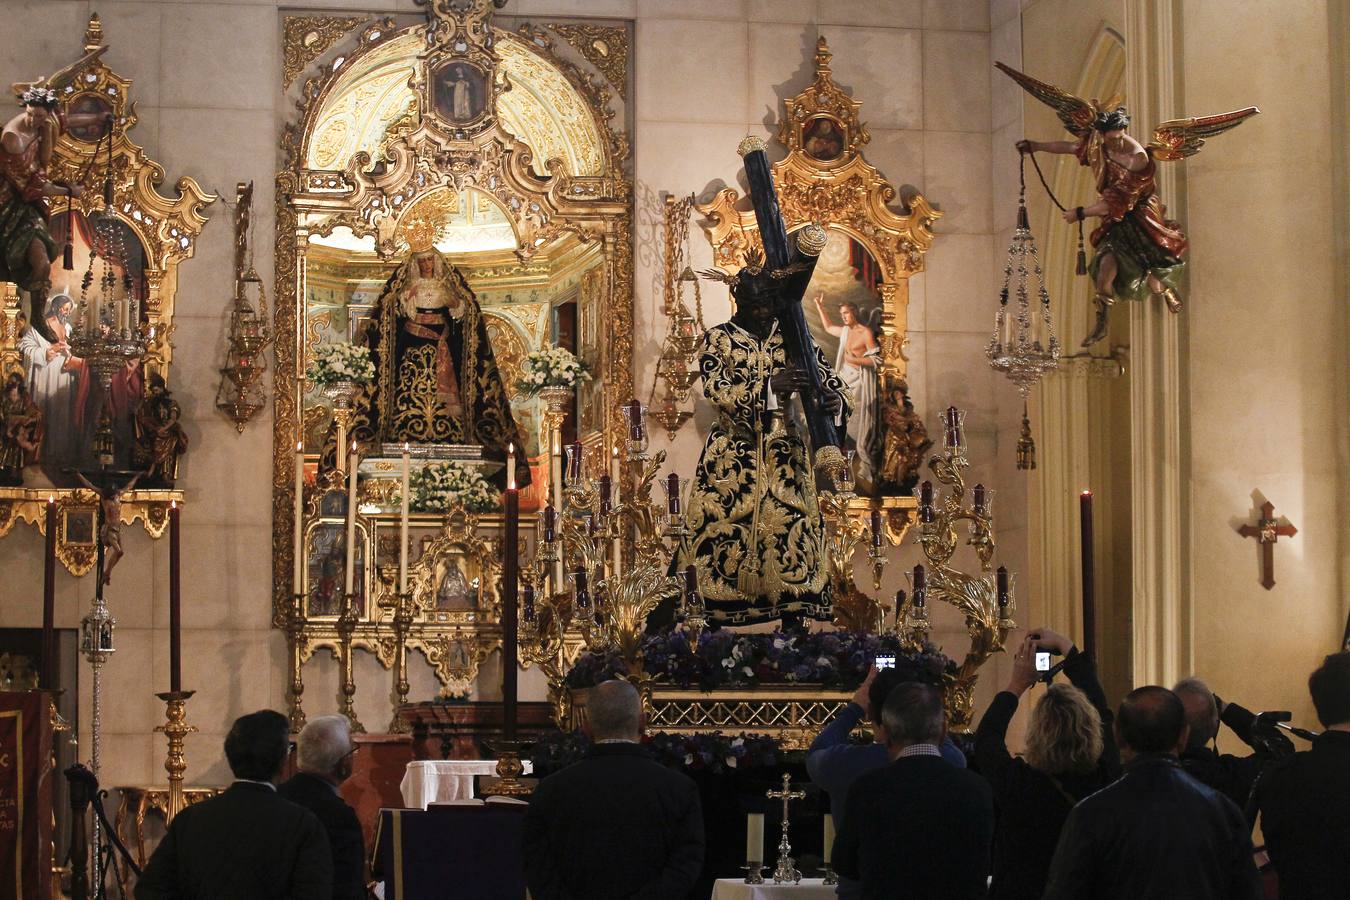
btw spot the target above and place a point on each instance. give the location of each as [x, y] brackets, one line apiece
[960, 272]
[886, 13]
[957, 179]
[956, 15]
[691, 71]
[206, 65]
[781, 65]
[692, 9]
[781, 11]
[884, 67]
[955, 95]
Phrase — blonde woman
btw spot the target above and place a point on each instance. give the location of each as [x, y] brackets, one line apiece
[1070, 754]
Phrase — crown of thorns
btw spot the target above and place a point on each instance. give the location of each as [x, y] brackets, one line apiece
[38, 96]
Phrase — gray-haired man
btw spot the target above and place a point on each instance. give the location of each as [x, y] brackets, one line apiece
[324, 753]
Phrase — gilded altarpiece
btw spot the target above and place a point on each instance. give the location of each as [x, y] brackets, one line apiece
[160, 232]
[512, 147]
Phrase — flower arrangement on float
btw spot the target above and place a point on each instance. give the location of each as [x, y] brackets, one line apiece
[333, 363]
[551, 367]
[439, 487]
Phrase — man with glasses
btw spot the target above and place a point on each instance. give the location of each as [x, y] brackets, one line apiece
[323, 761]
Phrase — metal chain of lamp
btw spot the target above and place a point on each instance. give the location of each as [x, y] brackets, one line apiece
[1024, 346]
[240, 394]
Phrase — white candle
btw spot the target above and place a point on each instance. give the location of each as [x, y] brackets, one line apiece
[829, 838]
[511, 465]
[351, 520]
[298, 579]
[403, 528]
[754, 838]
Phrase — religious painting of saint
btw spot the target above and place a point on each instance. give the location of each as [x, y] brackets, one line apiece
[823, 139]
[459, 92]
[844, 315]
[58, 381]
[326, 570]
[77, 527]
[92, 111]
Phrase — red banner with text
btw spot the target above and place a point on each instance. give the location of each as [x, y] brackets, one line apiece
[25, 795]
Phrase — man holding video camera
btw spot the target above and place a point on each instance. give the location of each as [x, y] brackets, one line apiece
[1305, 799]
[1231, 775]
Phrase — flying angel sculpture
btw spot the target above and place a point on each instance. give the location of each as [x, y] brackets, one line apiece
[1138, 252]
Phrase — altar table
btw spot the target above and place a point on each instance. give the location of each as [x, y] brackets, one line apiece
[428, 781]
[806, 889]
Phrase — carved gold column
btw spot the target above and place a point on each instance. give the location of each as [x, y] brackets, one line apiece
[176, 729]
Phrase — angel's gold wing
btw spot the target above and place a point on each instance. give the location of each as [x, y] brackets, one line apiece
[62, 77]
[1076, 113]
[1181, 138]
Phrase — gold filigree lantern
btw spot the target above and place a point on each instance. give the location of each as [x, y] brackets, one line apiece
[677, 366]
[240, 394]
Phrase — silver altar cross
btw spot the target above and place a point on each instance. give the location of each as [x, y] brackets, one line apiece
[785, 871]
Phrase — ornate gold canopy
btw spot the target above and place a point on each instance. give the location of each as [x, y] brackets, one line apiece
[825, 179]
[401, 132]
[167, 228]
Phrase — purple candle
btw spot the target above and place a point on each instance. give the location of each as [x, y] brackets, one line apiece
[878, 538]
[919, 584]
[606, 485]
[673, 494]
[926, 501]
[574, 462]
[1001, 577]
[550, 523]
[979, 499]
[635, 425]
[48, 667]
[583, 598]
[527, 603]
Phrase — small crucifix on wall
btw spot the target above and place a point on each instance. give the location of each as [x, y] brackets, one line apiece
[1267, 531]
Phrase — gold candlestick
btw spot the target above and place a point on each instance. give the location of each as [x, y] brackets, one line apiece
[403, 617]
[294, 639]
[175, 728]
[510, 768]
[346, 624]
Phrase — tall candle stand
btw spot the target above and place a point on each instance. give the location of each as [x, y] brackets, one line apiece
[987, 602]
[346, 625]
[342, 393]
[403, 619]
[295, 647]
[175, 728]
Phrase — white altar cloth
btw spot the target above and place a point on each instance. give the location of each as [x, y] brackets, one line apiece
[428, 781]
[737, 889]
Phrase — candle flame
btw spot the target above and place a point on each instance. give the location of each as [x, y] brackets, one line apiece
[51, 498]
[511, 448]
[1086, 494]
[512, 485]
[406, 448]
[299, 446]
[616, 451]
[173, 504]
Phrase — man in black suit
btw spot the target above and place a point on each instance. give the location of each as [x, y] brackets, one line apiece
[1157, 833]
[248, 842]
[1231, 775]
[617, 823]
[920, 828]
[1305, 799]
[324, 753]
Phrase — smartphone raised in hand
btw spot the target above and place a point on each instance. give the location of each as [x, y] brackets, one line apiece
[886, 661]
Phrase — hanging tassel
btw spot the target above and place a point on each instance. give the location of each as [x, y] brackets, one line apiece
[68, 256]
[108, 192]
[1026, 445]
[1082, 252]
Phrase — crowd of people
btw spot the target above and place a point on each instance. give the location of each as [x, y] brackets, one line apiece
[1134, 803]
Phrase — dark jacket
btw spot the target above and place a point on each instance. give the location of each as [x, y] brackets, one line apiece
[615, 824]
[1156, 834]
[1230, 775]
[1031, 805]
[919, 829]
[248, 842]
[1305, 816]
[343, 828]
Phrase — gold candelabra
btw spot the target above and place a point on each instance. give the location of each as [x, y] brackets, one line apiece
[614, 546]
[295, 647]
[175, 728]
[987, 602]
[403, 619]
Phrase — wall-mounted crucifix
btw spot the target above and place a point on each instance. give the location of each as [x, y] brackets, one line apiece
[1267, 531]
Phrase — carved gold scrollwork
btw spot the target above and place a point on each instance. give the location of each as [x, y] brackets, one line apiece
[306, 38]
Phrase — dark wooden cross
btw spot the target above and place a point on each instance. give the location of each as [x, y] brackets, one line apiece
[1267, 531]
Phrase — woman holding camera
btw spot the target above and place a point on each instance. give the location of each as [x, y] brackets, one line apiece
[1070, 754]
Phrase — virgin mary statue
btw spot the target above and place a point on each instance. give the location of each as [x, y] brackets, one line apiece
[436, 380]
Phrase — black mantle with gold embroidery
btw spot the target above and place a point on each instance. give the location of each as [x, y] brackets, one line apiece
[756, 535]
[436, 379]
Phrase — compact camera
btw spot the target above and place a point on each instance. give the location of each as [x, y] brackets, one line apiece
[885, 662]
